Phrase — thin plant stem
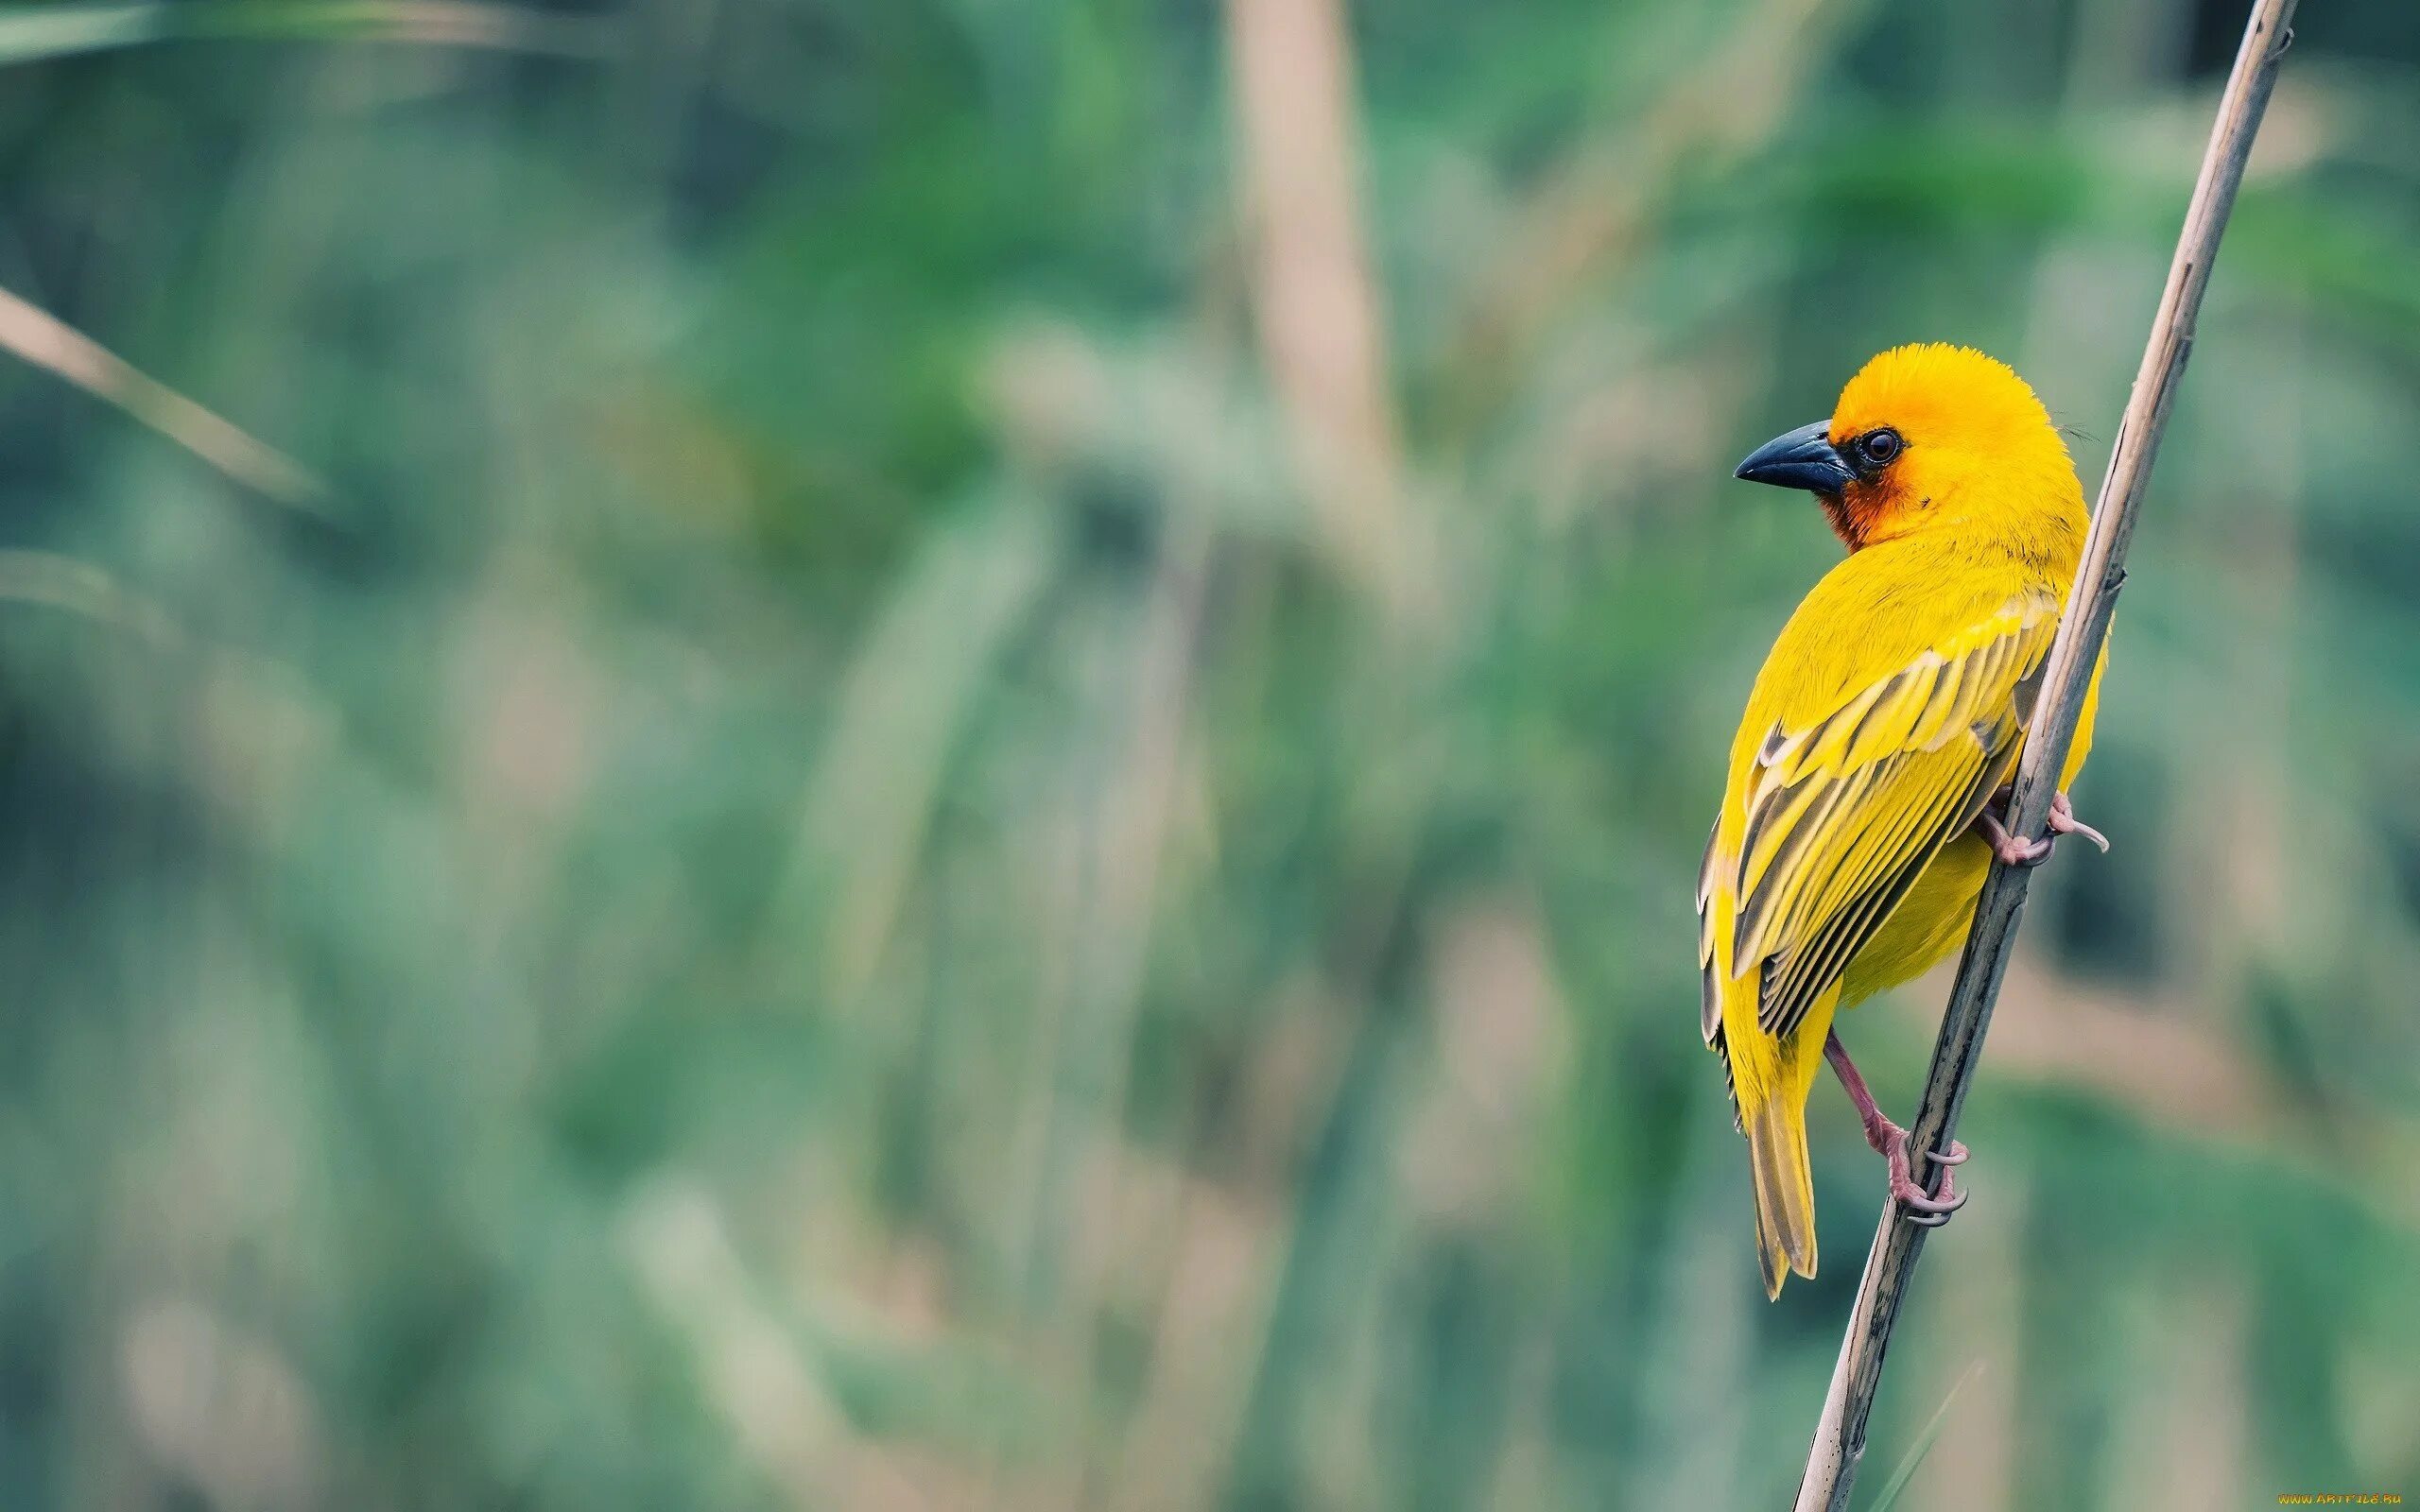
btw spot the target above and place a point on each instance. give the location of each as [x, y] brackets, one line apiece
[1840, 1434]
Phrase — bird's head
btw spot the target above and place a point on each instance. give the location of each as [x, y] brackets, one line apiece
[1925, 436]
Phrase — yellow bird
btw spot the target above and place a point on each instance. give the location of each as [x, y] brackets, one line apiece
[1860, 814]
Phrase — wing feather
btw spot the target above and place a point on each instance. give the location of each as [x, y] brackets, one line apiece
[1710, 1010]
[1793, 981]
[1797, 971]
[1887, 725]
[1843, 813]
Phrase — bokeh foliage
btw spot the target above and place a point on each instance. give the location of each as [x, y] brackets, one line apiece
[870, 841]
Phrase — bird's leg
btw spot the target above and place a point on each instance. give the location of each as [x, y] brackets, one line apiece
[1890, 1142]
[1992, 821]
[1879, 1130]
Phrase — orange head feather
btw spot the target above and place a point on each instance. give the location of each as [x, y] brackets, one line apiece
[1928, 436]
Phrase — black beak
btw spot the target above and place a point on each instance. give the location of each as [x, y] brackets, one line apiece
[1802, 458]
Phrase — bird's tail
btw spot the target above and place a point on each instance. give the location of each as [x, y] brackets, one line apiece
[1770, 1080]
[1785, 1190]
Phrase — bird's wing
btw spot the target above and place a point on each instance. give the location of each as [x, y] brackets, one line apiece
[1841, 812]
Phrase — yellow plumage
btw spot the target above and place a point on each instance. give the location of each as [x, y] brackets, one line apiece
[1893, 705]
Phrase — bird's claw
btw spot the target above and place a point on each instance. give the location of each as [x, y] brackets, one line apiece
[2013, 852]
[1890, 1142]
[2064, 822]
[1927, 1211]
[1916, 1205]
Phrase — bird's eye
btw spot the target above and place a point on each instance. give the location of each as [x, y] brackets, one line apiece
[1879, 446]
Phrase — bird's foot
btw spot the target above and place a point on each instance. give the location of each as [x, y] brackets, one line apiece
[1890, 1142]
[2013, 852]
[2064, 822]
[1916, 1205]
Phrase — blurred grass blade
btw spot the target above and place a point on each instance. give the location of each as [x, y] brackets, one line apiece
[54, 581]
[1906, 1470]
[33, 33]
[55, 347]
[920, 669]
[441, 23]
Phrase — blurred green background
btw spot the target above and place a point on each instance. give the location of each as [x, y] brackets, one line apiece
[950, 754]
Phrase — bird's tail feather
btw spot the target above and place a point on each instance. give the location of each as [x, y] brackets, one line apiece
[1776, 1131]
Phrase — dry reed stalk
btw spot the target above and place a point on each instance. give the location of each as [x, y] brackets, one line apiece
[1840, 1435]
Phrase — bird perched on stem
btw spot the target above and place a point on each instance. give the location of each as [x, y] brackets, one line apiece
[1865, 797]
